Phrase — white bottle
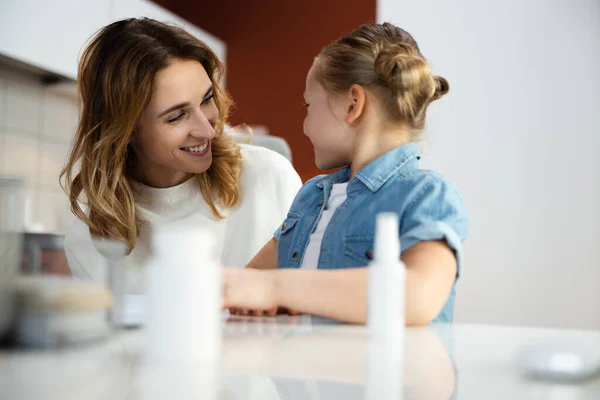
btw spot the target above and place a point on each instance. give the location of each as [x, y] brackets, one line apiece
[386, 290]
[385, 319]
[185, 294]
[183, 331]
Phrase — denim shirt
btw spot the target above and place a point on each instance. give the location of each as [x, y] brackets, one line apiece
[428, 208]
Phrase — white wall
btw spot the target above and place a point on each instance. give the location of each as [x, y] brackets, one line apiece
[36, 127]
[519, 134]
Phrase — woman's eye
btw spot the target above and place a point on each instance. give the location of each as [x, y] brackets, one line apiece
[177, 118]
[208, 99]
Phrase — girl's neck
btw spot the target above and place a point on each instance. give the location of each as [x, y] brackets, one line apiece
[371, 144]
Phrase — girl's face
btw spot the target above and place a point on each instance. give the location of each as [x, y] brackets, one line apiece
[325, 126]
[172, 141]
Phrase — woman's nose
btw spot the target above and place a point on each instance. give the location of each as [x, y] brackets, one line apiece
[203, 127]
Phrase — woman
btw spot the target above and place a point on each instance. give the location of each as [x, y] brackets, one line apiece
[150, 148]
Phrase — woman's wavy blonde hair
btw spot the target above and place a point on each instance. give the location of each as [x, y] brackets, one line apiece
[115, 83]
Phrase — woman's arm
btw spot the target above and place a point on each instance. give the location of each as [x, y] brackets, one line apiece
[342, 294]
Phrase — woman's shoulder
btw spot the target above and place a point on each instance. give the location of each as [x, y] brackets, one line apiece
[260, 163]
[270, 177]
[258, 156]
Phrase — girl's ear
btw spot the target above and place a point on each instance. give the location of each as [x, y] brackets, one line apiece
[355, 103]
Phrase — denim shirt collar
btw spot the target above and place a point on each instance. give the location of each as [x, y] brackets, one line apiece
[380, 170]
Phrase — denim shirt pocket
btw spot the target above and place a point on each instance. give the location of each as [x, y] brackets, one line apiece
[287, 240]
[358, 251]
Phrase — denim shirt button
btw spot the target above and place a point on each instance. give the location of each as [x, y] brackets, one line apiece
[284, 225]
[369, 254]
[295, 256]
[320, 203]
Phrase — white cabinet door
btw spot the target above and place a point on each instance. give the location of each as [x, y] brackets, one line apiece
[144, 8]
[50, 34]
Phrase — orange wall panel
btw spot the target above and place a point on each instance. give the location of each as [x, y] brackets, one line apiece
[270, 47]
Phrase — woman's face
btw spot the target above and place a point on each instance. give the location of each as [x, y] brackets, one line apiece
[173, 138]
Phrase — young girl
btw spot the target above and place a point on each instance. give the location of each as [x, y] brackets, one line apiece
[366, 96]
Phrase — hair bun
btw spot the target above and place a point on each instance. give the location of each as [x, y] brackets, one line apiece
[402, 68]
[441, 87]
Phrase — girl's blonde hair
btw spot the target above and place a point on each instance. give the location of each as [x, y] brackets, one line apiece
[387, 60]
[115, 83]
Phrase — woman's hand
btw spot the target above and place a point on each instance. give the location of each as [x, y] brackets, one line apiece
[249, 291]
[258, 313]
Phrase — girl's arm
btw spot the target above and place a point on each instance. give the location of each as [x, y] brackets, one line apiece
[342, 294]
[266, 258]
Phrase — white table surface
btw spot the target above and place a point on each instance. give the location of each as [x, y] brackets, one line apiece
[296, 358]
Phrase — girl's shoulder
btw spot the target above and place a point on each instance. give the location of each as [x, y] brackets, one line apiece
[419, 182]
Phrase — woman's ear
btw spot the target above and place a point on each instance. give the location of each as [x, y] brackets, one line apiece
[356, 103]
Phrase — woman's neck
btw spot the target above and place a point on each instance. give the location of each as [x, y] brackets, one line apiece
[159, 178]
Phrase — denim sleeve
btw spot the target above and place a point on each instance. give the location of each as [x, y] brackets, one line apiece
[435, 212]
[277, 233]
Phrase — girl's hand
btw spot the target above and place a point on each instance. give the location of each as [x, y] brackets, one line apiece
[249, 291]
